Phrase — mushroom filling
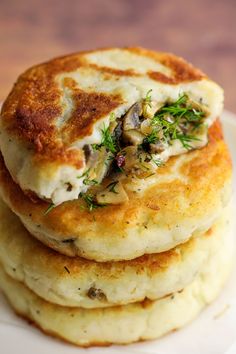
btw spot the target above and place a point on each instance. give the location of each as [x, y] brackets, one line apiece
[144, 138]
[96, 294]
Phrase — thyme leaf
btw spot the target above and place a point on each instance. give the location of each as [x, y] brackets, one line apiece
[112, 117]
[111, 187]
[145, 156]
[87, 181]
[151, 138]
[186, 139]
[157, 162]
[84, 174]
[90, 201]
[49, 208]
[148, 99]
[90, 182]
[108, 141]
[147, 102]
[177, 120]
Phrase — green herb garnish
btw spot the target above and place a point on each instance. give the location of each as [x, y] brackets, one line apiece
[178, 109]
[112, 117]
[149, 157]
[151, 138]
[176, 118]
[148, 99]
[111, 187]
[84, 174]
[90, 182]
[186, 139]
[108, 141]
[90, 201]
[147, 102]
[49, 208]
[87, 181]
[145, 156]
[157, 162]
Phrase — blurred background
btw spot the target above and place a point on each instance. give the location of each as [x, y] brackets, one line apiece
[202, 31]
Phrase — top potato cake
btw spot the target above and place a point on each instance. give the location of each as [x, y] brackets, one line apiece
[70, 122]
[163, 209]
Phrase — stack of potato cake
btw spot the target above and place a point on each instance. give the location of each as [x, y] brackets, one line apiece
[116, 187]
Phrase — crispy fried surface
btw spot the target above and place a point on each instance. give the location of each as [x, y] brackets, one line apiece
[78, 282]
[127, 323]
[58, 107]
[32, 108]
[184, 196]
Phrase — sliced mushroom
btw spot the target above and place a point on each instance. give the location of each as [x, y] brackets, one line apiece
[130, 153]
[99, 164]
[184, 128]
[199, 107]
[87, 152]
[146, 127]
[131, 118]
[150, 108]
[133, 136]
[112, 126]
[94, 293]
[158, 147]
[118, 131]
[116, 195]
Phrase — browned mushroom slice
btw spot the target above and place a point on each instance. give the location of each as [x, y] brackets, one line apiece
[114, 195]
[183, 128]
[118, 131]
[149, 109]
[131, 118]
[130, 153]
[99, 163]
[87, 152]
[198, 107]
[133, 137]
[146, 127]
[158, 147]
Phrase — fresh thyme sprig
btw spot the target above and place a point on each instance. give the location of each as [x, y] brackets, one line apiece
[157, 162]
[148, 99]
[90, 201]
[147, 102]
[149, 157]
[87, 181]
[179, 109]
[90, 182]
[49, 208]
[151, 138]
[145, 156]
[186, 139]
[108, 141]
[111, 187]
[112, 117]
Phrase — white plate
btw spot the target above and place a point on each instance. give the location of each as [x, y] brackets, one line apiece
[214, 332]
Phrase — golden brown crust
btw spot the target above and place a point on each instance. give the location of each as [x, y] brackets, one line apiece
[56, 336]
[145, 304]
[203, 175]
[181, 70]
[34, 104]
[52, 334]
[211, 164]
[89, 107]
[180, 307]
[74, 281]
